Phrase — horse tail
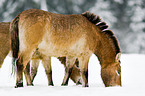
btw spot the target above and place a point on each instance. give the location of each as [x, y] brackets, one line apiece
[14, 30]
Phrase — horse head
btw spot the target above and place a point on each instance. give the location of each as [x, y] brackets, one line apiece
[111, 73]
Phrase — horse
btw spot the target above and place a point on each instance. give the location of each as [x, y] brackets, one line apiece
[73, 36]
[5, 48]
[5, 45]
[4, 41]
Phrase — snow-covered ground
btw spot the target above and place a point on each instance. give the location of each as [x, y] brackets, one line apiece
[133, 80]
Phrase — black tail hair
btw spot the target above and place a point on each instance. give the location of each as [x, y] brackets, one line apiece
[14, 42]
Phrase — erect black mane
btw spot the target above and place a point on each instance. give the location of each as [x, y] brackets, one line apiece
[103, 27]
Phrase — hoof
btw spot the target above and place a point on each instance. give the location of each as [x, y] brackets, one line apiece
[64, 84]
[30, 84]
[51, 84]
[79, 82]
[19, 85]
[86, 85]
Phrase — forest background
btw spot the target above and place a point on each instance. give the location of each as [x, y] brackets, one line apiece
[126, 18]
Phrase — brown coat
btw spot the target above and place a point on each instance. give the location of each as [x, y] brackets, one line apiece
[5, 49]
[70, 36]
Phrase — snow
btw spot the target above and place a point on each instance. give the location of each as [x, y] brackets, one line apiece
[133, 80]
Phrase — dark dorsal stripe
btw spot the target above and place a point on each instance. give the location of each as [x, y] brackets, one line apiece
[102, 26]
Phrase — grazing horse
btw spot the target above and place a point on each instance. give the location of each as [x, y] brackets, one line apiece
[5, 45]
[70, 36]
[5, 49]
[4, 41]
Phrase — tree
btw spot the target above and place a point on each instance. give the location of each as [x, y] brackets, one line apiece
[102, 8]
[69, 6]
[127, 20]
[136, 37]
[11, 8]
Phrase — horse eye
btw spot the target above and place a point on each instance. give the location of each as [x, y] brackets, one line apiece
[118, 72]
[119, 62]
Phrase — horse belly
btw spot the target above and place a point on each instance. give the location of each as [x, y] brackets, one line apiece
[49, 50]
[61, 50]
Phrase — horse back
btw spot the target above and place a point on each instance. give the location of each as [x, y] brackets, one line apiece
[68, 33]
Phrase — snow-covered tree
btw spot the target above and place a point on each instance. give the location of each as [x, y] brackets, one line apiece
[126, 18]
[102, 8]
[136, 37]
[10, 8]
[114, 13]
[69, 6]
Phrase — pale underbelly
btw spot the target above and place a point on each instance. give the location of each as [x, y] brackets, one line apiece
[61, 50]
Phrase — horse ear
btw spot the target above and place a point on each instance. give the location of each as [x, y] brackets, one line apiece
[118, 56]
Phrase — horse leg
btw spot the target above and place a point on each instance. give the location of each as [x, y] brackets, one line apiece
[34, 67]
[83, 65]
[47, 65]
[1, 61]
[68, 69]
[75, 75]
[3, 55]
[27, 75]
[21, 63]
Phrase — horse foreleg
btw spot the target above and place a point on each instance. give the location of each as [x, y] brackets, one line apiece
[68, 69]
[75, 75]
[34, 67]
[83, 65]
[47, 65]
[27, 75]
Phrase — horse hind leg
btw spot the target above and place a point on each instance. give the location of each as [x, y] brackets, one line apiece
[46, 61]
[68, 69]
[27, 75]
[21, 63]
[34, 67]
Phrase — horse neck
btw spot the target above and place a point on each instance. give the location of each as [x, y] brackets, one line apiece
[105, 50]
